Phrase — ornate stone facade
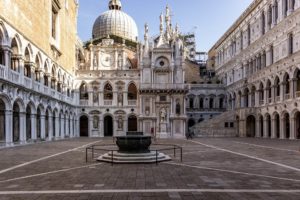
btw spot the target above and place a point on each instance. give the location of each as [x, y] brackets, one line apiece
[258, 60]
[36, 79]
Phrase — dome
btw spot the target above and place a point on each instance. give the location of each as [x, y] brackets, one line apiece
[115, 22]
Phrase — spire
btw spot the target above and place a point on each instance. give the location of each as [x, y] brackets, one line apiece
[115, 5]
[146, 47]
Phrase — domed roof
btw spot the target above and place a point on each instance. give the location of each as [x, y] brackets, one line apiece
[115, 22]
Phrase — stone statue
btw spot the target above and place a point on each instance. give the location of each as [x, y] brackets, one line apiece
[95, 122]
[163, 115]
[120, 98]
[120, 123]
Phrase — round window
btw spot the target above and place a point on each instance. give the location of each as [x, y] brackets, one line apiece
[162, 63]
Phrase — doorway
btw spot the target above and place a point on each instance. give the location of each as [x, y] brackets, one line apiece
[108, 126]
[84, 126]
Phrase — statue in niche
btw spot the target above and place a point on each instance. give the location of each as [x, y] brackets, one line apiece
[163, 115]
[120, 123]
[95, 62]
[120, 98]
[120, 61]
[178, 107]
[95, 97]
[96, 122]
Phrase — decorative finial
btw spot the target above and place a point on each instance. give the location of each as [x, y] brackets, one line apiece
[161, 23]
[146, 31]
[115, 5]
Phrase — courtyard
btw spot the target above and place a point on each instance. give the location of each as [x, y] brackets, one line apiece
[232, 168]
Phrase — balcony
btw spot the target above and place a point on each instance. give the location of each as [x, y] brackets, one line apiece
[164, 86]
[108, 102]
[132, 102]
[84, 102]
[287, 96]
[261, 102]
[28, 82]
[277, 99]
[14, 76]
[297, 94]
[269, 100]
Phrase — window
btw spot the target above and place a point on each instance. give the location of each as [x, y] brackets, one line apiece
[84, 95]
[249, 34]
[163, 98]
[54, 18]
[290, 44]
[263, 21]
[271, 55]
[108, 92]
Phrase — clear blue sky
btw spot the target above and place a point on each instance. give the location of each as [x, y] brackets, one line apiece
[211, 17]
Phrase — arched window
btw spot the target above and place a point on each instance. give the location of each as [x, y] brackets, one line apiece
[132, 92]
[211, 103]
[191, 102]
[277, 88]
[37, 69]
[53, 77]
[46, 80]
[83, 92]
[108, 92]
[14, 58]
[95, 94]
[27, 70]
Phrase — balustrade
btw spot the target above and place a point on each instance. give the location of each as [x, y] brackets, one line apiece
[108, 102]
[132, 102]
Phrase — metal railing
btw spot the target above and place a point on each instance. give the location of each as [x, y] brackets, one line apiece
[94, 148]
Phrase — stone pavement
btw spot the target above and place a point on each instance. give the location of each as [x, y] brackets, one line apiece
[231, 168]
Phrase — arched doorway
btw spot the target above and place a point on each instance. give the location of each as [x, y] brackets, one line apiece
[191, 123]
[286, 123]
[38, 124]
[28, 123]
[47, 124]
[277, 125]
[250, 125]
[261, 120]
[84, 126]
[16, 122]
[269, 128]
[297, 125]
[132, 123]
[2, 121]
[108, 126]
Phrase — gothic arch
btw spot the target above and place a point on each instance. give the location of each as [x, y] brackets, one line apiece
[16, 45]
[4, 38]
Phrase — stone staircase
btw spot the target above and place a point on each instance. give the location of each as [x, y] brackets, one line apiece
[216, 127]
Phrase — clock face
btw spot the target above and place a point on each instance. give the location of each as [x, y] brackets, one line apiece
[107, 59]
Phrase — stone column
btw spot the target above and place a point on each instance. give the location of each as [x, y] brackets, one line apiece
[274, 129]
[57, 127]
[282, 128]
[273, 93]
[258, 128]
[8, 128]
[50, 127]
[282, 91]
[293, 130]
[293, 83]
[33, 126]
[23, 128]
[266, 128]
[62, 127]
[42, 118]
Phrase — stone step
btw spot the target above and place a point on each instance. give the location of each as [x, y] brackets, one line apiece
[134, 158]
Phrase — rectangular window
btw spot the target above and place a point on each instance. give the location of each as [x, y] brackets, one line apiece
[54, 19]
[291, 43]
[231, 125]
[226, 124]
[163, 98]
